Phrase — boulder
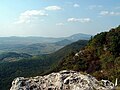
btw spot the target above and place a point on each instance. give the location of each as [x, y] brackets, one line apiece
[63, 80]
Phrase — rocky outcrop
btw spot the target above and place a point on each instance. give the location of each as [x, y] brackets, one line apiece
[63, 80]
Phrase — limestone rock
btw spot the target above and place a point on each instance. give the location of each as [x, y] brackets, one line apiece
[63, 80]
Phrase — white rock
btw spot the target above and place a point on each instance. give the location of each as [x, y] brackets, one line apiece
[77, 54]
[63, 80]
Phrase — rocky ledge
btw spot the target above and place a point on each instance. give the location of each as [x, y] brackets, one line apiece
[63, 80]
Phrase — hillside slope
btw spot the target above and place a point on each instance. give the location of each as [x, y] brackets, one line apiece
[12, 56]
[101, 57]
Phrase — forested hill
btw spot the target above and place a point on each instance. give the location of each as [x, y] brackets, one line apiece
[101, 57]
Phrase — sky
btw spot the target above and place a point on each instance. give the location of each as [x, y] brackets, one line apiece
[57, 18]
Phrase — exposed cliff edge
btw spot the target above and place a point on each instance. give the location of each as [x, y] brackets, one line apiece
[63, 80]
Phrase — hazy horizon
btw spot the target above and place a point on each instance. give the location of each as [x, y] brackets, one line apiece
[45, 36]
[57, 18]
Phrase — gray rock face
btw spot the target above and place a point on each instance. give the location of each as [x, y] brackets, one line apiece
[63, 80]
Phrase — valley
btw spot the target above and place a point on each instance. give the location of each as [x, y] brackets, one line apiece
[16, 64]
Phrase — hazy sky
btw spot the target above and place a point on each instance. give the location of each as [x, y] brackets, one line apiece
[57, 18]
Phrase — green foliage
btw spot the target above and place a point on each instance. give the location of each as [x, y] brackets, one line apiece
[13, 56]
[101, 56]
[25, 67]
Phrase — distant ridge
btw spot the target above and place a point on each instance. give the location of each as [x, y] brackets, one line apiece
[37, 45]
[79, 36]
[34, 39]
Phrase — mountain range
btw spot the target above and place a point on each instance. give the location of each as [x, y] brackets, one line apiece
[33, 40]
[37, 45]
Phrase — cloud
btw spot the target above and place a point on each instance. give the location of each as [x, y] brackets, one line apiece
[109, 13]
[26, 16]
[76, 5]
[95, 6]
[104, 13]
[53, 8]
[59, 24]
[29, 15]
[82, 20]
